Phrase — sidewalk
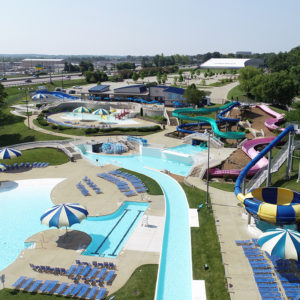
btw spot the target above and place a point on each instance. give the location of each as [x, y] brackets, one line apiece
[230, 227]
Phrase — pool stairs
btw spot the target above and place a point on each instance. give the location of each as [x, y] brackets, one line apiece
[214, 142]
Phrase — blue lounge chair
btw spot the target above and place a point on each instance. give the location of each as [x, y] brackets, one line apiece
[51, 286]
[35, 286]
[101, 273]
[71, 270]
[92, 273]
[78, 270]
[46, 165]
[101, 293]
[76, 289]
[21, 165]
[69, 290]
[26, 283]
[109, 276]
[19, 281]
[98, 191]
[91, 293]
[86, 271]
[60, 288]
[83, 290]
[44, 286]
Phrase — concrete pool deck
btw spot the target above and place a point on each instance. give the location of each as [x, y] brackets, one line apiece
[50, 250]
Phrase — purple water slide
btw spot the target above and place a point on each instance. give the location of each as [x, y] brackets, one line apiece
[271, 123]
[248, 148]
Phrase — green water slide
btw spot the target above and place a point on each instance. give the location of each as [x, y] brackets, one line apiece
[182, 115]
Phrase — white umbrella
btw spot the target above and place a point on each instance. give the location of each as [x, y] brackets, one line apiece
[39, 96]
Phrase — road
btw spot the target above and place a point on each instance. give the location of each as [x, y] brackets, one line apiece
[18, 81]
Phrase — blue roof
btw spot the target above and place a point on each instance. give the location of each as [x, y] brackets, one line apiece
[99, 88]
[174, 90]
[130, 86]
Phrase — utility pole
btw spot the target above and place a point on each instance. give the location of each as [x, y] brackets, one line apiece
[207, 171]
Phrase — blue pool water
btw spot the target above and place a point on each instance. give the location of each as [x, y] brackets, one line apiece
[114, 229]
[175, 272]
[132, 161]
[189, 149]
[20, 218]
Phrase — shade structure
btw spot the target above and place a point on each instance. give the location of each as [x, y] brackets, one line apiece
[284, 243]
[39, 96]
[101, 112]
[2, 167]
[64, 215]
[106, 98]
[8, 153]
[82, 109]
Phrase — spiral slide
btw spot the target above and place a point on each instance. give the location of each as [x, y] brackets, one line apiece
[274, 205]
[270, 123]
[182, 115]
[248, 148]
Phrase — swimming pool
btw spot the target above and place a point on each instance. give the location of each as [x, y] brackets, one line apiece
[91, 117]
[189, 149]
[132, 161]
[114, 229]
[20, 218]
[175, 270]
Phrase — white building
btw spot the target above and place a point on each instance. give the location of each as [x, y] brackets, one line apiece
[46, 63]
[232, 63]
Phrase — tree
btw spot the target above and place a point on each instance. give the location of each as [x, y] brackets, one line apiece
[86, 66]
[158, 77]
[203, 82]
[180, 79]
[175, 80]
[193, 95]
[246, 76]
[126, 65]
[142, 75]
[135, 76]
[164, 78]
[3, 94]
[192, 72]
[198, 72]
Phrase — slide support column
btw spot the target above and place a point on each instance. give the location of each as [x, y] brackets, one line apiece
[269, 169]
[287, 174]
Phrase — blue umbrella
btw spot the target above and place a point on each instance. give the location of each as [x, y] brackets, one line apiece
[39, 96]
[64, 215]
[8, 153]
[101, 112]
[106, 98]
[2, 167]
[118, 98]
[284, 243]
[82, 109]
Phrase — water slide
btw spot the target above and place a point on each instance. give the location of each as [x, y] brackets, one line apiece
[223, 112]
[249, 148]
[271, 123]
[59, 95]
[182, 115]
[273, 205]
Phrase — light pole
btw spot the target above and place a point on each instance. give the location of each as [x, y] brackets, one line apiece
[26, 90]
[207, 172]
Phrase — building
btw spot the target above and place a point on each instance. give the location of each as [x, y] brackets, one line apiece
[166, 94]
[47, 64]
[137, 90]
[243, 53]
[232, 63]
[98, 91]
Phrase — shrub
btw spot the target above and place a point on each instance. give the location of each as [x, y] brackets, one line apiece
[92, 130]
[39, 105]
[60, 127]
[42, 122]
[53, 126]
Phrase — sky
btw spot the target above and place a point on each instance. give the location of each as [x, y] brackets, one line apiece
[148, 27]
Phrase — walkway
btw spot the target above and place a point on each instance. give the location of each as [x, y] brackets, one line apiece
[230, 227]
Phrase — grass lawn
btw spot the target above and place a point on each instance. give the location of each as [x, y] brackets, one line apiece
[152, 186]
[228, 187]
[236, 92]
[50, 155]
[206, 248]
[220, 83]
[141, 285]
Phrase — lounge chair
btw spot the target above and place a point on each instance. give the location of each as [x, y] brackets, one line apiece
[60, 289]
[78, 270]
[26, 283]
[86, 271]
[44, 286]
[19, 281]
[109, 276]
[51, 286]
[92, 273]
[76, 289]
[71, 270]
[91, 293]
[98, 191]
[101, 293]
[83, 290]
[101, 273]
[34, 286]
[69, 290]
[46, 165]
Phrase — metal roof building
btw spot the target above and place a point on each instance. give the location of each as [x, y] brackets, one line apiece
[231, 63]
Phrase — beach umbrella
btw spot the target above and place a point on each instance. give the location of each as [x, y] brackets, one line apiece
[284, 243]
[8, 153]
[64, 215]
[118, 98]
[82, 109]
[101, 112]
[106, 98]
[39, 96]
[2, 167]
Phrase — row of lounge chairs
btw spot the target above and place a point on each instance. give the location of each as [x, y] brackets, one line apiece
[90, 274]
[108, 265]
[53, 287]
[91, 184]
[82, 189]
[135, 181]
[17, 166]
[268, 275]
[122, 185]
[48, 269]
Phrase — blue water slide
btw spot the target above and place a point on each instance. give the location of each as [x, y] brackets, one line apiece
[237, 188]
[223, 112]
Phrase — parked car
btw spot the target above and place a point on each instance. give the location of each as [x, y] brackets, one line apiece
[68, 76]
[71, 92]
[28, 80]
[3, 79]
[77, 87]
[36, 76]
